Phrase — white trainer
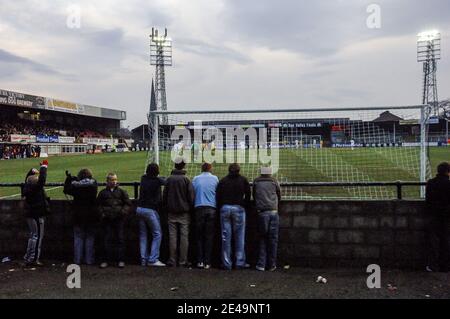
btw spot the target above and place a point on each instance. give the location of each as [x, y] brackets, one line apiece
[156, 264]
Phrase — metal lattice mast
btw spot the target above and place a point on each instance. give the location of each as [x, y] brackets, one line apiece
[160, 57]
[152, 128]
[428, 52]
[161, 99]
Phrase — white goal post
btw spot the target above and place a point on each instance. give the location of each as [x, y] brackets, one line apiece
[349, 144]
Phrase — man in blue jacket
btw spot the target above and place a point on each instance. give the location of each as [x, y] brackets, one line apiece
[205, 186]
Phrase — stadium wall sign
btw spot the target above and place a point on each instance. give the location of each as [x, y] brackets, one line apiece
[22, 100]
[63, 106]
[98, 141]
[41, 138]
[296, 125]
[39, 102]
[418, 144]
[346, 145]
[66, 139]
[16, 138]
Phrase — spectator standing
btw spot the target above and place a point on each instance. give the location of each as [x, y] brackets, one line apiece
[178, 198]
[113, 205]
[205, 186]
[83, 188]
[37, 207]
[438, 207]
[233, 196]
[149, 206]
[267, 194]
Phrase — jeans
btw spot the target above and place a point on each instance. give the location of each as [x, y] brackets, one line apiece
[181, 221]
[268, 223]
[84, 244]
[149, 220]
[205, 218]
[36, 227]
[115, 250]
[438, 241]
[232, 222]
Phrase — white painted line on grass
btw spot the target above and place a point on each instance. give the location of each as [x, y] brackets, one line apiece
[15, 195]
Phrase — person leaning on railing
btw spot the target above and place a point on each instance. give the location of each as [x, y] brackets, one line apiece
[148, 213]
[267, 195]
[86, 218]
[233, 197]
[438, 208]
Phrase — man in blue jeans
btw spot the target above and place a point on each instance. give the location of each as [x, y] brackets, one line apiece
[205, 186]
[233, 195]
[149, 203]
[267, 194]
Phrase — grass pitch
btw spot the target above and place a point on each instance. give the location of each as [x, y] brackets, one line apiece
[307, 165]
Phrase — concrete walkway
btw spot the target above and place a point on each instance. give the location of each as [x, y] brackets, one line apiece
[138, 282]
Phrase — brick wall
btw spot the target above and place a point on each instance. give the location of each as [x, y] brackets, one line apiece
[312, 233]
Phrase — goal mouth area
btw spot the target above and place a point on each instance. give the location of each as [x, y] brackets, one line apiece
[330, 145]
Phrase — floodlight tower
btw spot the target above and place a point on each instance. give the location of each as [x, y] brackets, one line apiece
[428, 53]
[160, 57]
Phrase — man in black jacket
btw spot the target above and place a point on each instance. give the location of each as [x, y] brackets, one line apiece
[148, 212]
[438, 207]
[113, 205]
[233, 196]
[178, 198]
[37, 206]
[83, 188]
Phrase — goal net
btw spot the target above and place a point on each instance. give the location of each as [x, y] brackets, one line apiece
[380, 144]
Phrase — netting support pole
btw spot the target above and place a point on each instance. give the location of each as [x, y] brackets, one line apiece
[424, 112]
[156, 137]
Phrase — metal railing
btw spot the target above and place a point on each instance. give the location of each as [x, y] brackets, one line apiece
[398, 185]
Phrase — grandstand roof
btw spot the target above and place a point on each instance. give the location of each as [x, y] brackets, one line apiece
[387, 117]
[46, 103]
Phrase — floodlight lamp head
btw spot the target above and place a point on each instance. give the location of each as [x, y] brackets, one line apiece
[161, 40]
[428, 36]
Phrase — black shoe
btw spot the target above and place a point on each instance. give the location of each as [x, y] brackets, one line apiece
[27, 264]
[246, 266]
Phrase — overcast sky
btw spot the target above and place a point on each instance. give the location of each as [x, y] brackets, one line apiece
[227, 53]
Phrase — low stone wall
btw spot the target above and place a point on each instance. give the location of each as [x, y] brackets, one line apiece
[312, 233]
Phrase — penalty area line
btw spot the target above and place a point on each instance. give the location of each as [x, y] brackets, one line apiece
[15, 195]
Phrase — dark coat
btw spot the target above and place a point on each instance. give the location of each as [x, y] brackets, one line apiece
[37, 203]
[438, 195]
[178, 196]
[150, 192]
[113, 204]
[84, 194]
[233, 189]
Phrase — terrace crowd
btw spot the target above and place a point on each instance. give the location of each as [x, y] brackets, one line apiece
[44, 128]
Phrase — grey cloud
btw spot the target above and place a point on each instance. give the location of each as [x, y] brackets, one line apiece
[111, 39]
[205, 49]
[7, 57]
[321, 28]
